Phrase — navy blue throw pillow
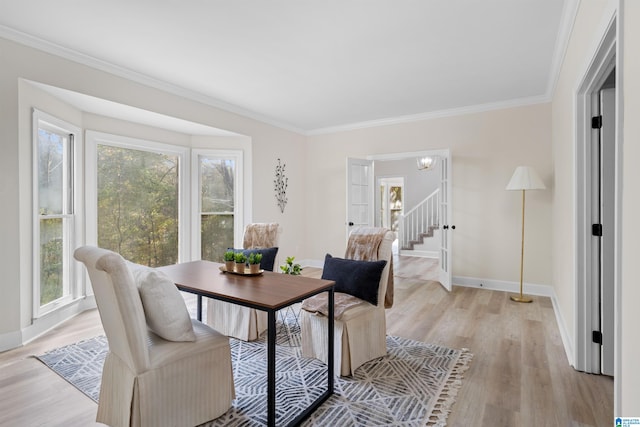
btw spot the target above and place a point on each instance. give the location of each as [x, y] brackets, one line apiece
[268, 256]
[358, 278]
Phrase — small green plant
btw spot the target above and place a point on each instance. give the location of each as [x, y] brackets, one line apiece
[255, 258]
[290, 268]
[230, 256]
[240, 258]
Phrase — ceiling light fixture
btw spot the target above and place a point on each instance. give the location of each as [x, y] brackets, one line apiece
[426, 162]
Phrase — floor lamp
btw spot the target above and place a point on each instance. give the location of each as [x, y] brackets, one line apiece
[524, 178]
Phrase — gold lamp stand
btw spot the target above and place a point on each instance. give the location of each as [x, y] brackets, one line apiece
[521, 298]
[524, 178]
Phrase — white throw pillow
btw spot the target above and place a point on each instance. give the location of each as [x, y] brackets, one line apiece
[164, 307]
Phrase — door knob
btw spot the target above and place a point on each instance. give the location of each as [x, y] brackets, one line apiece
[446, 227]
[350, 224]
[453, 227]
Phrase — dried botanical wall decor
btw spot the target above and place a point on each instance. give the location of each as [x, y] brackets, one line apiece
[280, 186]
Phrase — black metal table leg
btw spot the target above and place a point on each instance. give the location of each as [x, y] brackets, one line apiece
[271, 368]
[330, 344]
[330, 368]
[199, 313]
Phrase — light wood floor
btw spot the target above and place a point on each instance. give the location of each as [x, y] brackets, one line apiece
[519, 375]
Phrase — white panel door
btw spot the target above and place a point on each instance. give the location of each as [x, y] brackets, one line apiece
[359, 193]
[446, 226]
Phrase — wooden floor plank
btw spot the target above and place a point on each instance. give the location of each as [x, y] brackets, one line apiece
[519, 375]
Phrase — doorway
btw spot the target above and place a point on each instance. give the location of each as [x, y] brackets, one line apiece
[361, 190]
[597, 213]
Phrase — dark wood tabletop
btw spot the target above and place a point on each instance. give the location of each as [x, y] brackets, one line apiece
[269, 290]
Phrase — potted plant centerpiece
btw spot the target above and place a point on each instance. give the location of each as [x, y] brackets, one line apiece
[254, 262]
[229, 260]
[241, 260]
[290, 267]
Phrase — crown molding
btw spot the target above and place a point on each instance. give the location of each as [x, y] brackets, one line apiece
[568, 19]
[90, 61]
[472, 109]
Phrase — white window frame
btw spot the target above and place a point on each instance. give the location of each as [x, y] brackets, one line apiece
[95, 138]
[73, 229]
[238, 194]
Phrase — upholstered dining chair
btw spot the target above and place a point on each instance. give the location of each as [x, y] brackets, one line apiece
[364, 286]
[163, 368]
[240, 322]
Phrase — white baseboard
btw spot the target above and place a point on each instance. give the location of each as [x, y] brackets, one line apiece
[420, 254]
[45, 323]
[562, 326]
[529, 289]
[504, 286]
[315, 263]
[10, 340]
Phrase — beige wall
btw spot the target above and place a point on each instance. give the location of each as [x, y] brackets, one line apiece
[628, 380]
[486, 148]
[267, 143]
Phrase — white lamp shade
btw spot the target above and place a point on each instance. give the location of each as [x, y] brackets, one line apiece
[525, 178]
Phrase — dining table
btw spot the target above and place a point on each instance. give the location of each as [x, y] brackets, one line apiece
[266, 291]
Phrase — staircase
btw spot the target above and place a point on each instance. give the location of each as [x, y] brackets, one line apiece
[420, 222]
[419, 240]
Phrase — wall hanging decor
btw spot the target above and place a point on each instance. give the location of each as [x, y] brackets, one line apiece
[280, 186]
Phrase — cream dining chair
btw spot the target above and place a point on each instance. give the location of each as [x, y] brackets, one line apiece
[360, 326]
[148, 380]
[236, 321]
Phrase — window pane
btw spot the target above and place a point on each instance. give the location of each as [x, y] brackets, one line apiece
[217, 236]
[395, 197]
[216, 177]
[51, 260]
[138, 204]
[51, 171]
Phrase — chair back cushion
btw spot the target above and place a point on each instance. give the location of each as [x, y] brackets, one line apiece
[119, 305]
[261, 235]
[358, 278]
[359, 247]
[268, 261]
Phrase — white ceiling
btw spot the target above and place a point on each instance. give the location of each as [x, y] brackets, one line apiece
[312, 66]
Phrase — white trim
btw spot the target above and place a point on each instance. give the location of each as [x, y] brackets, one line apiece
[471, 109]
[420, 254]
[72, 55]
[45, 324]
[53, 319]
[617, 368]
[238, 214]
[10, 340]
[568, 19]
[567, 343]
[503, 285]
[444, 152]
[315, 263]
[596, 69]
[74, 218]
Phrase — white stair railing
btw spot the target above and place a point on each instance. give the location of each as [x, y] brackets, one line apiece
[419, 220]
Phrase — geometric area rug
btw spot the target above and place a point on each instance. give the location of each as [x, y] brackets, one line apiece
[415, 384]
